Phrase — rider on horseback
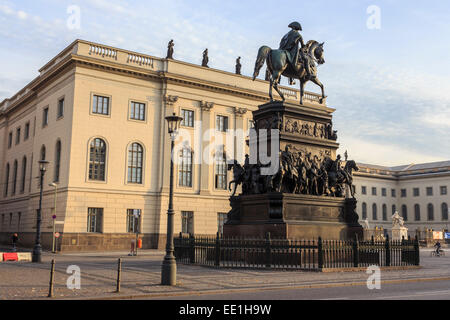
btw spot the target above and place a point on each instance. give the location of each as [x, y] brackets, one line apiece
[290, 43]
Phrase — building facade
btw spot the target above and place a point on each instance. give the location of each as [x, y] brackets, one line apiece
[419, 192]
[96, 113]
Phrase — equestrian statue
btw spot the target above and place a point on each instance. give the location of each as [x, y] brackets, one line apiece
[293, 59]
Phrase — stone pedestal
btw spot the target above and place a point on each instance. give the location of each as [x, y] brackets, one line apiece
[286, 206]
[398, 232]
[291, 216]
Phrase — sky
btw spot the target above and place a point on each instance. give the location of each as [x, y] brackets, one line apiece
[386, 72]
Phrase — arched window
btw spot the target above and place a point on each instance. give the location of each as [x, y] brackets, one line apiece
[5, 193]
[444, 210]
[394, 208]
[14, 177]
[404, 212]
[417, 212]
[384, 212]
[135, 156]
[42, 153]
[97, 160]
[24, 174]
[57, 161]
[185, 168]
[430, 212]
[364, 210]
[374, 212]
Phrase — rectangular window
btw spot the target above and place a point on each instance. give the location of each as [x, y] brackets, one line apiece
[188, 118]
[429, 191]
[187, 222]
[100, 105]
[443, 190]
[60, 108]
[393, 194]
[363, 190]
[133, 220]
[9, 140]
[403, 193]
[221, 219]
[383, 192]
[221, 123]
[45, 117]
[137, 111]
[26, 134]
[416, 192]
[17, 136]
[374, 191]
[95, 220]
[221, 174]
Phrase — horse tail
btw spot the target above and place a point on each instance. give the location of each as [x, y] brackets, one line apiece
[260, 59]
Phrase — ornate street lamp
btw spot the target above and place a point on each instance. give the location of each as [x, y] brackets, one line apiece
[37, 247]
[169, 266]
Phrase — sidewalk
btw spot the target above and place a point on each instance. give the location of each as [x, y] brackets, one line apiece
[141, 276]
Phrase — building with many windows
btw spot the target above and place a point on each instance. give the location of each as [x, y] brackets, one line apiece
[419, 192]
[97, 114]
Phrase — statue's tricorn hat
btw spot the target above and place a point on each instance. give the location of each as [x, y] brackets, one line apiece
[295, 25]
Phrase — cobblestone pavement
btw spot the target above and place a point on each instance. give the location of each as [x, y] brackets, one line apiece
[141, 275]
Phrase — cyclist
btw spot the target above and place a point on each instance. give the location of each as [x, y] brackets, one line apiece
[438, 248]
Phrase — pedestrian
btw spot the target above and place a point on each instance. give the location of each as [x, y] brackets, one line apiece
[14, 238]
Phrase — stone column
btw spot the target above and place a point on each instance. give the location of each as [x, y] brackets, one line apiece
[204, 168]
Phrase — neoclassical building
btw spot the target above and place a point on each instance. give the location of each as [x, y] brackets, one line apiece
[419, 192]
[96, 113]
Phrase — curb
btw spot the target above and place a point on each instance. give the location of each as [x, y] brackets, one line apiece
[219, 291]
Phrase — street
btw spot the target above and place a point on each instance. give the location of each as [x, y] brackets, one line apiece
[421, 290]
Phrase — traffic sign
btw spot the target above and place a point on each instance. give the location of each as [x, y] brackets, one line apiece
[57, 234]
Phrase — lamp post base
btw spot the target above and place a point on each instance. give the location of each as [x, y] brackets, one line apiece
[36, 256]
[169, 271]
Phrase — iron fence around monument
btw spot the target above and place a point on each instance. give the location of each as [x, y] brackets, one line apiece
[313, 255]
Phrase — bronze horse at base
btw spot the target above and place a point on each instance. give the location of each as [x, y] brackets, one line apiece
[278, 64]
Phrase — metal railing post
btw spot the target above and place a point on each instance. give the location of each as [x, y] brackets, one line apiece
[356, 251]
[416, 251]
[217, 262]
[320, 253]
[387, 247]
[191, 249]
[268, 251]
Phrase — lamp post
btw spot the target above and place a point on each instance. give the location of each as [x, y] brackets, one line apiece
[55, 185]
[37, 247]
[169, 266]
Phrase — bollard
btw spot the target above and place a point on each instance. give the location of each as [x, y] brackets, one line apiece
[119, 274]
[52, 276]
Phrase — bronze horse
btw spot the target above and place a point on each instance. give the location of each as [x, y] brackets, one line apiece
[278, 64]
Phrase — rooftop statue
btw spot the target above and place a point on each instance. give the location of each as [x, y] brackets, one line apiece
[292, 61]
[205, 58]
[170, 50]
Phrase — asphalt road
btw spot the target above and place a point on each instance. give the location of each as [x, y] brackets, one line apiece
[421, 290]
